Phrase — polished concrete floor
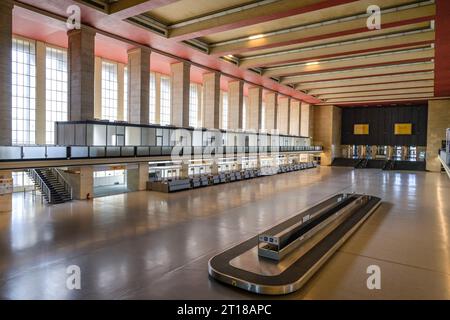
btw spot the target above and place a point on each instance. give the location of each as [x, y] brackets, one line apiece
[152, 245]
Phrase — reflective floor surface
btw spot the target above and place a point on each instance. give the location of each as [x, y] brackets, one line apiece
[150, 245]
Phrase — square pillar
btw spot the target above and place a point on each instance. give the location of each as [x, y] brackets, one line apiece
[81, 180]
[137, 176]
[254, 108]
[138, 85]
[306, 123]
[6, 11]
[271, 108]
[327, 132]
[294, 118]
[181, 79]
[7, 190]
[81, 65]
[438, 122]
[211, 101]
[283, 115]
[235, 104]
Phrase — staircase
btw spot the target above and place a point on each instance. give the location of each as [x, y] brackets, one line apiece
[361, 164]
[52, 184]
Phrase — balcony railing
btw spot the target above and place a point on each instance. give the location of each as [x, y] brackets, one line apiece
[29, 153]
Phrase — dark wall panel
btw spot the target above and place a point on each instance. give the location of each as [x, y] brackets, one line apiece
[381, 122]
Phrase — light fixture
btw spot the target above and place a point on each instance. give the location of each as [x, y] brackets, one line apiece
[257, 36]
[230, 56]
[312, 63]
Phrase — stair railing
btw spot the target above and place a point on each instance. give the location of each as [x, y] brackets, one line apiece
[67, 187]
[42, 185]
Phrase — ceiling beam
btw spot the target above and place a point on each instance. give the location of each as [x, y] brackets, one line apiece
[374, 87]
[249, 16]
[359, 73]
[442, 59]
[403, 78]
[315, 32]
[376, 93]
[349, 47]
[423, 96]
[130, 8]
[371, 60]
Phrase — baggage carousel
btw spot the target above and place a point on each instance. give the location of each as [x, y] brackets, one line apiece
[283, 258]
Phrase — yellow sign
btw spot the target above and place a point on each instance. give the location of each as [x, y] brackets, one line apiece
[403, 129]
[360, 129]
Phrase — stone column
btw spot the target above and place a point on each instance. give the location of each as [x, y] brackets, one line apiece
[235, 104]
[137, 176]
[6, 9]
[254, 108]
[181, 80]
[294, 118]
[41, 126]
[271, 107]
[120, 91]
[98, 88]
[283, 115]
[438, 122]
[306, 123]
[138, 85]
[81, 180]
[81, 65]
[211, 100]
[6, 195]
[327, 132]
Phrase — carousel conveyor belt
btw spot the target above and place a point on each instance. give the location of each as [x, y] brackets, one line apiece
[281, 259]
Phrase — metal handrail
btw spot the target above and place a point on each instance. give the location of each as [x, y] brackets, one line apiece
[42, 185]
[67, 187]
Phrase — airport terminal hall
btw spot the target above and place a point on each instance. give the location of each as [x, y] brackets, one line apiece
[240, 150]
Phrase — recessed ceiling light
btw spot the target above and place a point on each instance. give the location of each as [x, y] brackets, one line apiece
[257, 36]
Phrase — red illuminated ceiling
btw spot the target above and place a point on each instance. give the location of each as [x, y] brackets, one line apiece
[303, 45]
[44, 20]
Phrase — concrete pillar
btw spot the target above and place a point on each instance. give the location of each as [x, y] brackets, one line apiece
[283, 115]
[81, 65]
[271, 108]
[184, 171]
[211, 100]
[181, 80]
[40, 93]
[81, 179]
[6, 183]
[438, 122]
[98, 88]
[306, 117]
[214, 168]
[138, 85]
[327, 132]
[294, 118]
[137, 176]
[254, 108]
[120, 91]
[235, 104]
[6, 8]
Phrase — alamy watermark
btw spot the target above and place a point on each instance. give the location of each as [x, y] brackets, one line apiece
[374, 280]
